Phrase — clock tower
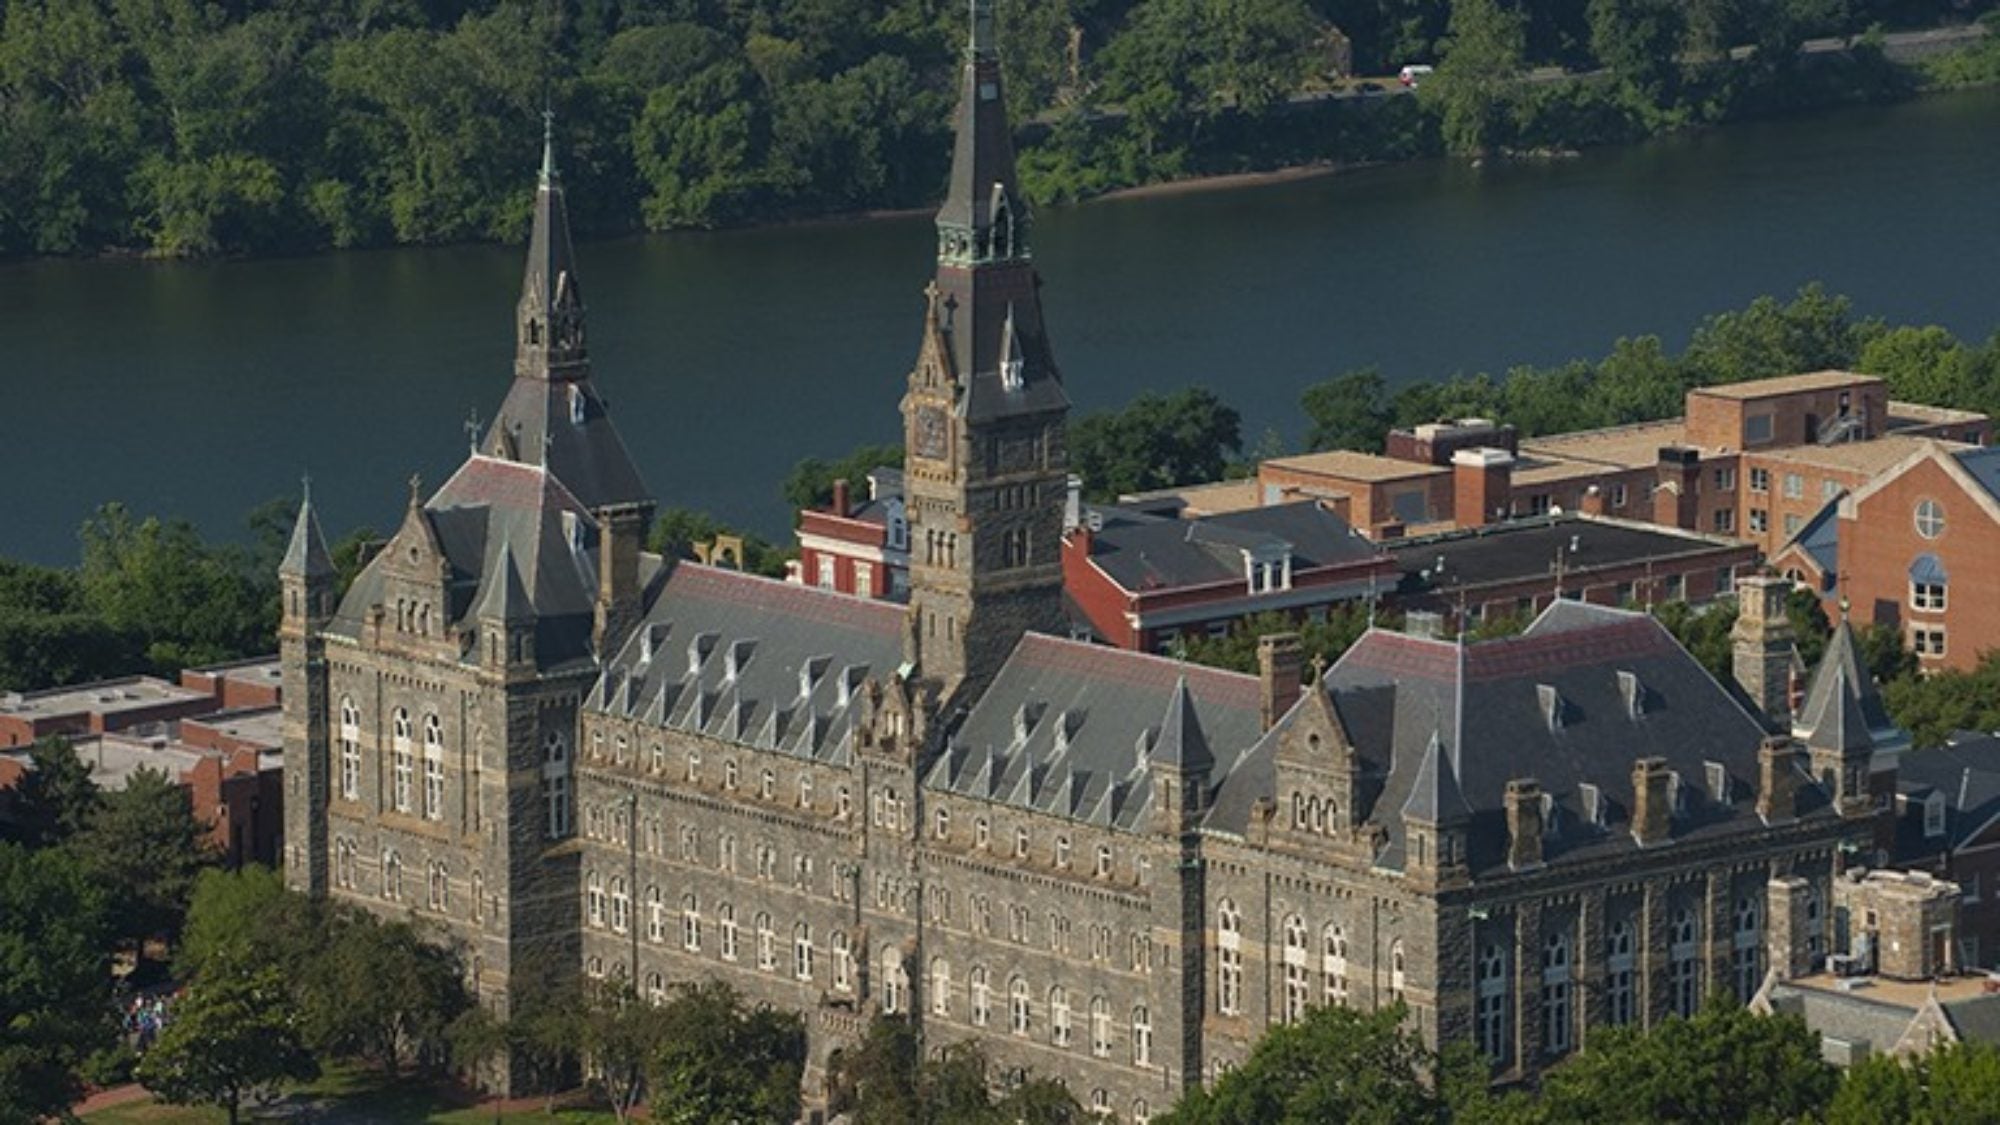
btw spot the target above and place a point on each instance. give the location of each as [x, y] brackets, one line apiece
[987, 469]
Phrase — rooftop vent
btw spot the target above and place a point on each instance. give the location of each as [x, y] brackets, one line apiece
[1634, 694]
[698, 650]
[1552, 706]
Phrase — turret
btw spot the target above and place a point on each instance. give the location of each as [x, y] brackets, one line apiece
[1762, 648]
[306, 576]
[506, 618]
[1180, 764]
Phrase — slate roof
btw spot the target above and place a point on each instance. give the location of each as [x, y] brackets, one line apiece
[306, 555]
[1842, 709]
[1820, 538]
[1571, 702]
[754, 661]
[1068, 728]
[1526, 549]
[1967, 772]
[1983, 463]
[1140, 551]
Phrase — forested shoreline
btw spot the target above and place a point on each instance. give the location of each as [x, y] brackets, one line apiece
[193, 128]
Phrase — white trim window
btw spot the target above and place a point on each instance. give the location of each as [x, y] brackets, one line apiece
[1100, 1027]
[1020, 1017]
[895, 981]
[433, 768]
[1059, 1021]
[1228, 959]
[726, 926]
[1558, 1016]
[767, 944]
[802, 951]
[1297, 976]
[1927, 597]
[656, 915]
[350, 749]
[1333, 965]
[1142, 1037]
[403, 761]
[690, 923]
[982, 997]
[941, 987]
[593, 900]
[621, 906]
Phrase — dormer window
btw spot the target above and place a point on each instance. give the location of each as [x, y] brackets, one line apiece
[1634, 694]
[1551, 702]
[1268, 571]
[1718, 783]
[1676, 793]
[1934, 815]
[1593, 803]
[576, 404]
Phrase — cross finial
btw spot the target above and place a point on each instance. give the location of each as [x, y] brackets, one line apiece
[306, 488]
[1318, 666]
[472, 429]
[548, 145]
[416, 489]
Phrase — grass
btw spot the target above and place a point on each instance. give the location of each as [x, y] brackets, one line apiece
[349, 1096]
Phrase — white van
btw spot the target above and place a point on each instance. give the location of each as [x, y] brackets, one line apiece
[1409, 75]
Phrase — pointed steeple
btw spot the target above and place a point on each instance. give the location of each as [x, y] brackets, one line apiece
[549, 327]
[502, 596]
[1841, 691]
[1181, 744]
[982, 199]
[1435, 797]
[307, 556]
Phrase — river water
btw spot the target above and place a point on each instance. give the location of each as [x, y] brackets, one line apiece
[202, 390]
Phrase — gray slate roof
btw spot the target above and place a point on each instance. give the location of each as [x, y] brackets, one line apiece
[753, 660]
[1820, 539]
[1842, 709]
[1526, 549]
[1967, 772]
[1141, 551]
[1068, 728]
[1984, 465]
[306, 555]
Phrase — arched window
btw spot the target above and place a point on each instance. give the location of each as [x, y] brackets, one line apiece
[1333, 964]
[895, 981]
[621, 906]
[1017, 1006]
[726, 922]
[392, 875]
[1100, 1027]
[1296, 973]
[403, 761]
[802, 951]
[1398, 966]
[843, 963]
[1746, 960]
[690, 923]
[1059, 1026]
[433, 768]
[1619, 959]
[767, 944]
[440, 887]
[1229, 959]
[344, 863]
[1490, 1012]
[1142, 1037]
[656, 989]
[593, 900]
[982, 997]
[656, 915]
[1141, 1113]
[350, 749]
[940, 987]
[555, 786]
[1557, 1017]
[1684, 963]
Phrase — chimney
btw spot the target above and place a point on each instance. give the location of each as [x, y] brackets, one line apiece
[1280, 662]
[1788, 932]
[1592, 501]
[1761, 648]
[1674, 501]
[1073, 503]
[840, 498]
[1777, 780]
[1524, 824]
[620, 532]
[1652, 812]
[1482, 485]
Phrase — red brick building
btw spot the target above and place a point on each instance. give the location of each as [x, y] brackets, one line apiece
[861, 549]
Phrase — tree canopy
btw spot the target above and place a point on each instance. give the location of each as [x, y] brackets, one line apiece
[55, 1001]
[1156, 441]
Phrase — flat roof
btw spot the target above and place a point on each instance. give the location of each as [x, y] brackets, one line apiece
[256, 670]
[263, 726]
[113, 759]
[1635, 446]
[1348, 464]
[1526, 549]
[1900, 993]
[1204, 499]
[1533, 470]
[105, 697]
[1870, 457]
[1921, 414]
[1787, 384]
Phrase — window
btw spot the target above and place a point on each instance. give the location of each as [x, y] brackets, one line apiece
[1142, 1037]
[1934, 822]
[1490, 1012]
[1296, 974]
[895, 982]
[1100, 1027]
[767, 785]
[656, 915]
[693, 766]
[690, 924]
[1618, 981]
[1927, 596]
[404, 761]
[1929, 519]
[1746, 953]
[1683, 964]
[392, 875]
[725, 854]
[1618, 495]
[1017, 924]
[1759, 521]
[1927, 641]
[767, 943]
[593, 900]
[1756, 429]
[1725, 519]
[350, 750]
[826, 571]
[1020, 843]
[555, 786]
[982, 997]
[1725, 479]
[864, 579]
[1829, 489]
[941, 823]
[1760, 480]
[843, 963]
[1103, 868]
[940, 987]
[344, 863]
[725, 916]
[1795, 486]
[802, 951]
[1333, 965]
[1059, 1026]
[1556, 1014]
[1062, 852]
[1017, 1006]
[1229, 959]
[440, 888]
[621, 906]
[982, 834]
[805, 791]
[729, 775]
[1398, 965]
[1792, 525]
[433, 768]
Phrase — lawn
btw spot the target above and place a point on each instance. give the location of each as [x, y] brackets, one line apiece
[358, 1097]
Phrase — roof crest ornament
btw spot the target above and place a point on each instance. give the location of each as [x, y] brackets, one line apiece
[549, 175]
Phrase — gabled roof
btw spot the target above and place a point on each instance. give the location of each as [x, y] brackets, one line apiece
[501, 595]
[1966, 772]
[1140, 551]
[1181, 743]
[1819, 539]
[1842, 709]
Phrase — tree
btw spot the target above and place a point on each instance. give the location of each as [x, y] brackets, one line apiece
[1476, 82]
[55, 999]
[55, 799]
[1933, 707]
[1336, 1064]
[146, 847]
[725, 1061]
[245, 919]
[380, 992]
[1954, 1082]
[1814, 332]
[810, 483]
[1637, 40]
[189, 602]
[234, 1033]
[1348, 411]
[677, 532]
[887, 1081]
[619, 1035]
[1158, 441]
[1723, 1064]
[1323, 640]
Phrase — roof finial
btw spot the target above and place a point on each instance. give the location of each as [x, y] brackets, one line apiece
[472, 429]
[416, 490]
[305, 489]
[548, 145]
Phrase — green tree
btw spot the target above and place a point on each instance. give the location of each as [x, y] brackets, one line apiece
[55, 799]
[1348, 411]
[234, 1034]
[246, 919]
[1935, 706]
[190, 602]
[1926, 365]
[702, 149]
[1479, 77]
[1956, 1083]
[810, 483]
[1321, 640]
[887, 1081]
[1723, 1064]
[620, 1035]
[723, 1060]
[146, 847]
[55, 996]
[1157, 441]
[678, 532]
[1637, 41]
[1336, 1064]
[380, 992]
[1815, 331]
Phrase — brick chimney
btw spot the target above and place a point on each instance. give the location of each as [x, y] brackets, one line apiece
[1524, 824]
[1482, 485]
[1675, 503]
[840, 498]
[1778, 780]
[620, 535]
[1592, 501]
[1280, 663]
[1652, 812]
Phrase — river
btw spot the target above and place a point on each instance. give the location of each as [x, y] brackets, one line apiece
[202, 390]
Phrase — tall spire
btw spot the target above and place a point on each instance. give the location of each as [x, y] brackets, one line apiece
[549, 327]
[306, 555]
[983, 218]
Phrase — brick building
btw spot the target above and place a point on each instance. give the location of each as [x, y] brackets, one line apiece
[1099, 865]
[861, 549]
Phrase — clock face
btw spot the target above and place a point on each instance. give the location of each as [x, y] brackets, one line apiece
[928, 433]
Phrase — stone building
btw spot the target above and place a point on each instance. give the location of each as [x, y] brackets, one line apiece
[1100, 865]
